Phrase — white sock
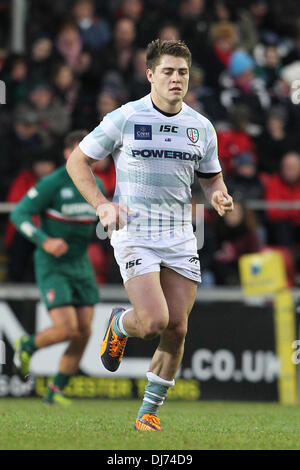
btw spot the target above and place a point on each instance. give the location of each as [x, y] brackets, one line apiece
[156, 379]
[120, 322]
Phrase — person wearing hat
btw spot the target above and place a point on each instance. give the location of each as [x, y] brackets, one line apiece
[241, 87]
[244, 183]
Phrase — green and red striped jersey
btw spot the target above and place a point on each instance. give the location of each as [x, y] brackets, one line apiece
[64, 213]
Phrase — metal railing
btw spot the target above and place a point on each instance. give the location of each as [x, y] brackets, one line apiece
[254, 204]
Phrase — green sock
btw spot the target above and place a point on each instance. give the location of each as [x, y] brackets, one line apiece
[154, 397]
[60, 381]
[28, 344]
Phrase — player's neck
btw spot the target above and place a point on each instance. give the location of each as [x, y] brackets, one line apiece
[164, 106]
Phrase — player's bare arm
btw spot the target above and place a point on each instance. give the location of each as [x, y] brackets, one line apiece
[216, 193]
[79, 167]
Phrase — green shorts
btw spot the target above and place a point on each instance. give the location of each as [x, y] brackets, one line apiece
[69, 282]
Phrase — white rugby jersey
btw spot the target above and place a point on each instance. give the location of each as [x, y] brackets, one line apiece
[155, 158]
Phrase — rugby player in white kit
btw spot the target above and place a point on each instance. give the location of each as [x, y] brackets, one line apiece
[158, 143]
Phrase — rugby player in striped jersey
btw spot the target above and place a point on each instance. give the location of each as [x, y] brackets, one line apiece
[158, 143]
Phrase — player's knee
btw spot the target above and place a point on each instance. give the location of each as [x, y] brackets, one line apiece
[178, 332]
[69, 332]
[85, 332]
[154, 328]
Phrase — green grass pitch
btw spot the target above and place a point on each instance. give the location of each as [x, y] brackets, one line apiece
[108, 425]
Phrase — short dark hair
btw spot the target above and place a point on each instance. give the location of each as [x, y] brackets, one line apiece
[174, 47]
[74, 137]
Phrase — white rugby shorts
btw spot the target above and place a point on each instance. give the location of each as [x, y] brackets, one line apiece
[136, 256]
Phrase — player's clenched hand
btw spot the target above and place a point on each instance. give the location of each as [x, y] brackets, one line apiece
[113, 215]
[222, 202]
[55, 246]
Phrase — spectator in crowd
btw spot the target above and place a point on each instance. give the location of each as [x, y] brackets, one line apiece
[52, 115]
[284, 225]
[191, 99]
[294, 54]
[132, 9]
[66, 86]
[256, 23]
[274, 142]
[244, 89]
[244, 182]
[235, 236]
[95, 32]
[169, 31]
[223, 41]
[43, 58]
[106, 101]
[193, 19]
[269, 72]
[118, 56]
[235, 139]
[139, 85]
[146, 19]
[206, 98]
[15, 75]
[20, 250]
[23, 141]
[222, 12]
[287, 94]
[69, 44]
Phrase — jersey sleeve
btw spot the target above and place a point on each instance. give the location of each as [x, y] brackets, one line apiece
[34, 202]
[106, 138]
[210, 165]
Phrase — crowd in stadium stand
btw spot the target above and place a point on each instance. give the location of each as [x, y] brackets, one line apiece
[84, 58]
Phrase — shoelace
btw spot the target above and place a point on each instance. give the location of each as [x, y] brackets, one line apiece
[152, 419]
[117, 345]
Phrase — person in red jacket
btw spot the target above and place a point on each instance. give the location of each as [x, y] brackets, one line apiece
[284, 224]
[18, 247]
[235, 140]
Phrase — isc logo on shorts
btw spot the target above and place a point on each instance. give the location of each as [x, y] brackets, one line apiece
[135, 262]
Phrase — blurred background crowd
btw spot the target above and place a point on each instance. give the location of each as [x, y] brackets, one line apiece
[84, 58]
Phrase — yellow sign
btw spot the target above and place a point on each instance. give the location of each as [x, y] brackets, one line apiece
[262, 273]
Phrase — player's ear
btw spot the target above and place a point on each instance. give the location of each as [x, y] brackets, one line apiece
[149, 75]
